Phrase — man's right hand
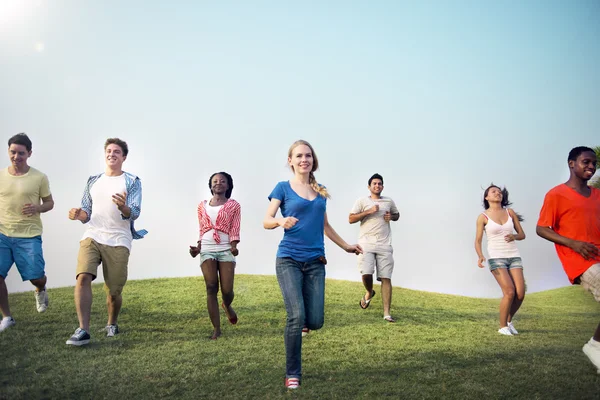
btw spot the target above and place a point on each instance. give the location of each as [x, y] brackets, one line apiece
[77, 214]
[194, 251]
[586, 250]
[374, 209]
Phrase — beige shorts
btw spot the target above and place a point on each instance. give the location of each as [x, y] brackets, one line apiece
[590, 280]
[114, 262]
[376, 258]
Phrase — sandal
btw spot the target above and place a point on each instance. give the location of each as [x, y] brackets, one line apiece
[365, 301]
[389, 318]
[232, 320]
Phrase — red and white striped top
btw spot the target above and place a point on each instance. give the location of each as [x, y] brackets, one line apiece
[228, 220]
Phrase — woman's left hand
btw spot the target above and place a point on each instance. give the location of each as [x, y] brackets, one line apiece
[234, 251]
[509, 238]
[355, 248]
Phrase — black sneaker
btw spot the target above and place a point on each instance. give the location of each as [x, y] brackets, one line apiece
[79, 338]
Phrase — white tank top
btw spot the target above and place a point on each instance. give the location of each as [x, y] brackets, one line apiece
[497, 246]
[208, 241]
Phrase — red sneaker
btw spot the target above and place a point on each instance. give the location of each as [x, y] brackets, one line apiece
[292, 383]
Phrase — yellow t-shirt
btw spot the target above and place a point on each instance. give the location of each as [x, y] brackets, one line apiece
[15, 192]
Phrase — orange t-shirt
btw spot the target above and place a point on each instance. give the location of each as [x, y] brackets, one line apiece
[576, 217]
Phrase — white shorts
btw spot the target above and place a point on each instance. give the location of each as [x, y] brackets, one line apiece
[590, 281]
[380, 258]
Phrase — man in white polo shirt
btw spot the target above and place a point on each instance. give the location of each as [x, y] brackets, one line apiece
[111, 203]
[375, 213]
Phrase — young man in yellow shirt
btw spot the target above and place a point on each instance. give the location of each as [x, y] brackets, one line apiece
[24, 195]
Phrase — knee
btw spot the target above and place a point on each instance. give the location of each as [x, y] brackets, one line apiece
[39, 281]
[227, 295]
[212, 288]
[296, 319]
[520, 296]
[509, 292]
[314, 325]
[84, 279]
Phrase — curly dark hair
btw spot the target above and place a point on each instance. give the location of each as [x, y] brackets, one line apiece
[229, 183]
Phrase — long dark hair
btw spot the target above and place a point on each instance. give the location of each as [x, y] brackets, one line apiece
[229, 183]
[505, 203]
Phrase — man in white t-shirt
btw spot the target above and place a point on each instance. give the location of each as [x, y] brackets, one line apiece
[116, 197]
[375, 213]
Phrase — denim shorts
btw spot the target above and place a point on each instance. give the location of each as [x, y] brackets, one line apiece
[220, 256]
[26, 253]
[508, 263]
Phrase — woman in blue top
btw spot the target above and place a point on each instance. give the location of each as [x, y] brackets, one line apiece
[300, 264]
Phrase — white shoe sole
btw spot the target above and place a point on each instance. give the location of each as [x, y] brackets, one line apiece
[79, 343]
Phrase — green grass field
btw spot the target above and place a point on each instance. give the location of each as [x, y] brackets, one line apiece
[442, 347]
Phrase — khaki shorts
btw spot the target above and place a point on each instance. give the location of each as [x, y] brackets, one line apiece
[376, 258]
[590, 280]
[114, 264]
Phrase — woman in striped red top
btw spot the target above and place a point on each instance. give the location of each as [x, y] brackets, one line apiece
[219, 220]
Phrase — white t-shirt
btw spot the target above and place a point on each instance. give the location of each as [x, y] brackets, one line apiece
[374, 230]
[208, 243]
[106, 226]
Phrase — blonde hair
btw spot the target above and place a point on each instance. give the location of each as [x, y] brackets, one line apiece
[321, 190]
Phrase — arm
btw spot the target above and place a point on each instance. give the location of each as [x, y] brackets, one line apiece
[131, 206]
[335, 238]
[195, 250]
[394, 213]
[520, 232]
[354, 218]
[47, 204]
[270, 222]
[32, 209]
[478, 237]
[586, 250]
[84, 212]
[234, 233]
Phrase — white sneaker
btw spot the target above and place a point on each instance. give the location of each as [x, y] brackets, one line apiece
[41, 300]
[592, 350]
[305, 331]
[512, 329]
[505, 331]
[7, 323]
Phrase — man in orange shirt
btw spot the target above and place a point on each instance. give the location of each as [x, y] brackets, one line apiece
[570, 217]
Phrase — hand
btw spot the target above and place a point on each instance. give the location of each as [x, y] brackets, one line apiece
[355, 248]
[387, 216]
[30, 210]
[587, 250]
[509, 238]
[77, 214]
[374, 209]
[288, 222]
[480, 262]
[119, 199]
[234, 250]
[194, 251]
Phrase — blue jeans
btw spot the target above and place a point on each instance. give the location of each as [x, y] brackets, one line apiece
[302, 285]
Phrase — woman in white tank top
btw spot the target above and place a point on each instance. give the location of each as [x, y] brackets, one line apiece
[500, 224]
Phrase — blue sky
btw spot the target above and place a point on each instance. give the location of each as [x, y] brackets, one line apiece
[441, 98]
